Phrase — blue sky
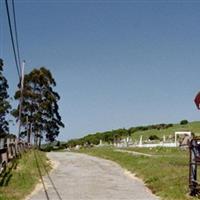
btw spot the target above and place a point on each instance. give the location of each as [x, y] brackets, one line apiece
[116, 63]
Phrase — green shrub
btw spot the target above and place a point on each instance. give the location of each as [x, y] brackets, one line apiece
[154, 137]
[183, 122]
[47, 148]
[169, 125]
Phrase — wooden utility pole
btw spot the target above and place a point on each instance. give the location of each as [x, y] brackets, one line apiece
[21, 97]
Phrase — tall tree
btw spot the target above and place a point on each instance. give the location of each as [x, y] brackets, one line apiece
[40, 106]
[4, 103]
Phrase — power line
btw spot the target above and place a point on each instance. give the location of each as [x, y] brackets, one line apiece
[20, 68]
[12, 39]
[16, 36]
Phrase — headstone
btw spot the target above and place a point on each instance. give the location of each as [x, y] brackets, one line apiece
[140, 142]
[164, 139]
[100, 143]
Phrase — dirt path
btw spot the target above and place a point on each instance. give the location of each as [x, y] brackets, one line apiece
[82, 177]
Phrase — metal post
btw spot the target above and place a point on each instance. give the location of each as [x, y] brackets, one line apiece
[194, 161]
[21, 97]
[193, 168]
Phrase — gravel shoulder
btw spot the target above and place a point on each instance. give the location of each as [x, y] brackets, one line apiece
[82, 177]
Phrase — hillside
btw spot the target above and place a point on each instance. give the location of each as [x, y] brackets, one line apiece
[159, 130]
[191, 126]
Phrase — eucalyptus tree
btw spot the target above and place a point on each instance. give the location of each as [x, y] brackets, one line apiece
[4, 103]
[40, 106]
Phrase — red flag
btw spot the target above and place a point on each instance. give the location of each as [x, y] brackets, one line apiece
[197, 100]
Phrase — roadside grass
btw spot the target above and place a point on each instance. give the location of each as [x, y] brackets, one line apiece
[192, 126]
[161, 151]
[22, 175]
[165, 174]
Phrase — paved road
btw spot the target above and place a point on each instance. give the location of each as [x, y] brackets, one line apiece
[82, 177]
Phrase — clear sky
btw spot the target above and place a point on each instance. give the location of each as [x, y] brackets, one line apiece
[116, 63]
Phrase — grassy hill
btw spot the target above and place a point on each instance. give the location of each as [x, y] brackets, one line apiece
[135, 132]
[192, 126]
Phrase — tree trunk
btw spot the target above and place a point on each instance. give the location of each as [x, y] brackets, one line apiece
[29, 134]
[36, 139]
[40, 140]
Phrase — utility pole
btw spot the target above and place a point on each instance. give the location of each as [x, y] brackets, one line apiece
[21, 96]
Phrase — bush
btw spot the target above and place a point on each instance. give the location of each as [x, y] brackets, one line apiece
[169, 125]
[48, 148]
[182, 122]
[153, 137]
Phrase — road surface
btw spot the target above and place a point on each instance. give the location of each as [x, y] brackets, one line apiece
[83, 177]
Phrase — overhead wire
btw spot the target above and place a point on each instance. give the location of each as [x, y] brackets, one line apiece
[1, 29]
[12, 39]
[16, 51]
[16, 35]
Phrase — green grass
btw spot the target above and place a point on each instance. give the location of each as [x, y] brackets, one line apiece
[192, 126]
[165, 174]
[160, 151]
[22, 175]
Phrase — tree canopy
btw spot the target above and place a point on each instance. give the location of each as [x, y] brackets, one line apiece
[4, 103]
[40, 106]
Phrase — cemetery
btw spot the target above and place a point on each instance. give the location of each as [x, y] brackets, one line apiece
[181, 138]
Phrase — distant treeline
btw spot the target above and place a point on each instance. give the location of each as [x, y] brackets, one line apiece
[113, 135]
